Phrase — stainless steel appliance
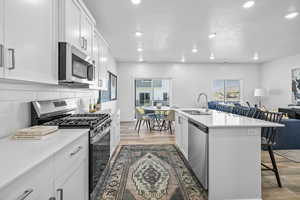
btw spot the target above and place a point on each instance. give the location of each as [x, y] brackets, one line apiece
[63, 114]
[74, 67]
[198, 151]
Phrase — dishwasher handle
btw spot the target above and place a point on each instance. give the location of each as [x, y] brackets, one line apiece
[201, 127]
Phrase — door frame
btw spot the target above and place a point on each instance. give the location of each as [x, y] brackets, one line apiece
[152, 78]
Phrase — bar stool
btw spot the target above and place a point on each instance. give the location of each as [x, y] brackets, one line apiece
[268, 140]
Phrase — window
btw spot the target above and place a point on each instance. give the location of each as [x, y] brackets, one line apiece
[227, 90]
[149, 92]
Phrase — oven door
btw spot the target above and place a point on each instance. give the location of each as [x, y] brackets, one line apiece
[99, 158]
[74, 65]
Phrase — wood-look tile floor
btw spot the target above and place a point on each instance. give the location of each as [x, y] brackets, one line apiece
[289, 171]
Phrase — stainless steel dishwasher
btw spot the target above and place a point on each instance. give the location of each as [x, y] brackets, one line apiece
[198, 151]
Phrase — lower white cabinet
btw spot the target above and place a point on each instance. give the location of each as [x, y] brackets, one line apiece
[34, 185]
[63, 176]
[182, 133]
[73, 184]
[115, 132]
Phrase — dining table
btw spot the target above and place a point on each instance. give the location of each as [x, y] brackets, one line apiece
[159, 113]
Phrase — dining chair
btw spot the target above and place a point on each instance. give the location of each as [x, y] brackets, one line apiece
[168, 121]
[142, 118]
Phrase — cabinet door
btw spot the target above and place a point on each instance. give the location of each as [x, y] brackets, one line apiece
[86, 30]
[36, 184]
[103, 60]
[184, 136]
[89, 36]
[73, 23]
[1, 39]
[74, 185]
[96, 58]
[30, 39]
[178, 130]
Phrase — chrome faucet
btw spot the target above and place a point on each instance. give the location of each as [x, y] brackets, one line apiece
[206, 99]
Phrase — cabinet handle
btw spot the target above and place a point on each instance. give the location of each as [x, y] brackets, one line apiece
[1, 55]
[52, 198]
[85, 46]
[12, 59]
[61, 193]
[25, 194]
[82, 42]
[76, 151]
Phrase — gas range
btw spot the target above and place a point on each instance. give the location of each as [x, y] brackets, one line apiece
[62, 113]
[80, 121]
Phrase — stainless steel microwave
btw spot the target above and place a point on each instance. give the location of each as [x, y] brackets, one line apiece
[74, 67]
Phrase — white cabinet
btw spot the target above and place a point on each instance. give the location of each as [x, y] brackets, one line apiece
[1, 39]
[76, 25]
[182, 133]
[71, 171]
[87, 32]
[36, 184]
[71, 22]
[104, 61]
[115, 132]
[177, 130]
[74, 183]
[63, 175]
[96, 58]
[30, 40]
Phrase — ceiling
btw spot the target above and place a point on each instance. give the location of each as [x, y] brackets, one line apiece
[171, 28]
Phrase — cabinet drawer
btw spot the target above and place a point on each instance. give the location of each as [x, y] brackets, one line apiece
[33, 185]
[70, 155]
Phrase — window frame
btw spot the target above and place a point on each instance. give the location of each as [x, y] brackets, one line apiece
[225, 90]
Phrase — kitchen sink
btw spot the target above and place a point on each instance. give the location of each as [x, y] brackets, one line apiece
[196, 112]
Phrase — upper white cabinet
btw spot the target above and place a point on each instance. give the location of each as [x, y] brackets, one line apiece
[1, 39]
[96, 57]
[104, 62]
[30, 40]
[76, 25]
[71, 23]
[87, 32]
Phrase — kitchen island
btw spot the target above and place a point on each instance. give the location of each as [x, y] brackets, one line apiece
[224, 151]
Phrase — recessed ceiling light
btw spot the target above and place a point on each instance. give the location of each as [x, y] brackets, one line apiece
[194, 50]
[138, 34]
[291, 15]
[211, 36]
[140, 49]
[141, 59]
[248, 4]
[135, 2]
[255, 57]
[212, 56]
[183, 59]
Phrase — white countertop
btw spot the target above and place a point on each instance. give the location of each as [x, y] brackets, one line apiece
[20, 156]
[219, 119]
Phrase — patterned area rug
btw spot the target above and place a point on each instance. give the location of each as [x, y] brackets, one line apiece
[150, 172]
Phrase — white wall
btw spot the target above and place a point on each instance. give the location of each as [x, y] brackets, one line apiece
[276, 77]
[15, 98]
[188, 80]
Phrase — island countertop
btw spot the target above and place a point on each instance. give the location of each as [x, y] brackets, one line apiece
[218, 119]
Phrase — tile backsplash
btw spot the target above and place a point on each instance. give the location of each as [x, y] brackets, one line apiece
[15, 98]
